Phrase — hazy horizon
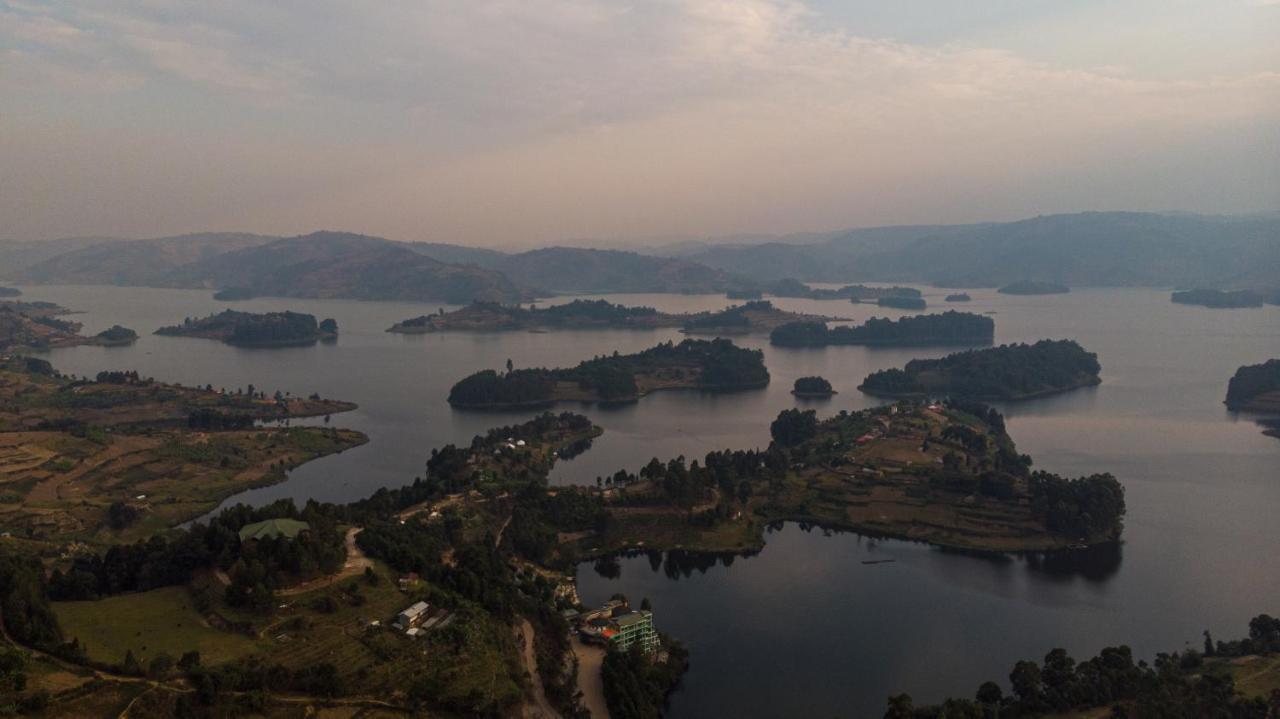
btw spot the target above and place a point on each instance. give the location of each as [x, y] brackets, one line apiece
[511, 125]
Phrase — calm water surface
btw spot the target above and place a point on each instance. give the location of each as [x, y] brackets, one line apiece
[804, 628]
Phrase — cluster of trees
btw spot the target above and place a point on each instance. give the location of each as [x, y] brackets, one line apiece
[949, 327]
[723, 365]
[1175, 686]
[169, 559]
[1218, 299]
[247, 328]
[1251, 381]
[794, 426]
[1005, 372]
[636, 686]
[517, 387]
[211, 420]
[1087, 507]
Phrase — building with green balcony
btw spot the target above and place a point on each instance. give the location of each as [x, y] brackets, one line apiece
[634, 629]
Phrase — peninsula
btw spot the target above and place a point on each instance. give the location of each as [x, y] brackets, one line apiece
[39, 326]
[1007, 372]
[1218, 299]
[247, 329]
[713, 365]
[122, 456]
[755, 316]
[947, 328]
[1255, 388]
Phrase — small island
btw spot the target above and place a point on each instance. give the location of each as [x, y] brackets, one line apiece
[234, 294]
[812, 387]
[1007, 372]
[10, 292]
[1034, 287]
[1218, 299]
[246, 329]
[900, 303]
[712, 365]
[756, 316]
[959, 297]
[114, 336]
[1255, 388]
[947, 328]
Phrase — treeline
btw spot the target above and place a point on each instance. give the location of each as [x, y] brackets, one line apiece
[949, 327]
[1086, 508]
[1251, 381]
[721, 365]
[636, 686]
[1005, 372]
[1176, 686]
[170, 558]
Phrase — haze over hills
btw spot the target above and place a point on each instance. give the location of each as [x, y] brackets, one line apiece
[1086, 249]
[1093, 248]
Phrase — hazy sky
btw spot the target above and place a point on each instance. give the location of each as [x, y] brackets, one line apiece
[516, 122]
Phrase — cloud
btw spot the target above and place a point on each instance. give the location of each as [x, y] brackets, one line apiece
[502, 120]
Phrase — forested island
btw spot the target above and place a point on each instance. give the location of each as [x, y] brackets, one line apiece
[946, 328]
[714, 365]
[1034, 287]
[1218, 299]
[757, 316]
[854, 293]
[10, 292]
[115, 336]
[812, 387]
[1007, 372]
[1223, 679]
[247, 329]
[959, 297]
[1255, 388]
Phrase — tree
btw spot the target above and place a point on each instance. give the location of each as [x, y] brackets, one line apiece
[510, 365]
[794, 426]
[900, 707]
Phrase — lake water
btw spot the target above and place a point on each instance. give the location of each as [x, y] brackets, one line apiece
[804, 628]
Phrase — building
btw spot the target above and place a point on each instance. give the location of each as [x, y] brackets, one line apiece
[635, 629]
[273, 528]
[412, 616]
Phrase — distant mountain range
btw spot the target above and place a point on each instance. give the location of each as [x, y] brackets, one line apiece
[1114, 249]
[337, 264]
[1086, 249]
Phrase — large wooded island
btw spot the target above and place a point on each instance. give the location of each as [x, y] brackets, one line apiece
[758, 316]
[713, 365]
[1007, 372]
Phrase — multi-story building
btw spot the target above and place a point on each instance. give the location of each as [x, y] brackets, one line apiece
[634, 629]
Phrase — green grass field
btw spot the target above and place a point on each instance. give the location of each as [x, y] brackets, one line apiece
[162, 620]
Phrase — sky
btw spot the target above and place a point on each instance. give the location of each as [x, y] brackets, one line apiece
[512, 123]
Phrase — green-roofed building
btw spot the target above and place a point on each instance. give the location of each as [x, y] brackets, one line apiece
[635, 628]
[272, 528]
